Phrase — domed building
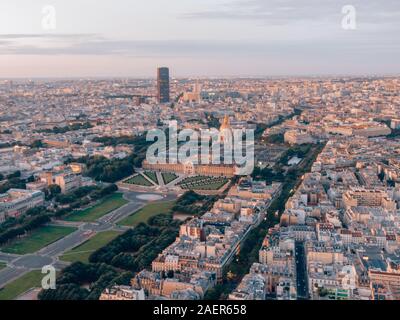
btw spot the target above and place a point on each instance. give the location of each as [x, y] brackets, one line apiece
[225, 123]
[220, 168]
[225, 130]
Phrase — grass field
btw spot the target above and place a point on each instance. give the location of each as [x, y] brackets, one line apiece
[82, 252]
[168, 177]
[211, 186]
[17, 287]
[2, 265]
[139, 180]
[194, 179]
[148, 211]
[152, 176]
[107, 205]
[203, 183]
[36, 240]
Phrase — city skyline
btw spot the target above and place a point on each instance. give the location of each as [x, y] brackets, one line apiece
[187, 150]
[212, 38]
[316, 218]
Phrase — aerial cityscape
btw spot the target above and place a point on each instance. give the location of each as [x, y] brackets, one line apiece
[166, 186]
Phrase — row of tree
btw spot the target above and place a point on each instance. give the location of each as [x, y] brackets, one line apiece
[75, 195]
[108, 170]
[13, 180]
[267, 174]
[82, 197]
[72, 279]
[4, 145]
[112, 170]
[72, 127]
[298, 150]
[115, 141]
[36, 217]
[129, 253]
[30, 222]
[189, 203]
[137, 248]
[10, 222]
[115, 263]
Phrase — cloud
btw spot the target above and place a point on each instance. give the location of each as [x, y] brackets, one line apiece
[305, 32]
[60, 36]
[96, 45]
[50, 43]
[291, 12]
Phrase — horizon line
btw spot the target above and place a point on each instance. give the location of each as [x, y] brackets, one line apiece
[142, 77]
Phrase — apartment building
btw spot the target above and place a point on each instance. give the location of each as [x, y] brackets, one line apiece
[15, 202]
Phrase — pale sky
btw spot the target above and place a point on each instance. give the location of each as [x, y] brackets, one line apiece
[131, 38]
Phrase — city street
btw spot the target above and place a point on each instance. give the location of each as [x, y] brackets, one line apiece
[301, 271]
[10, 273]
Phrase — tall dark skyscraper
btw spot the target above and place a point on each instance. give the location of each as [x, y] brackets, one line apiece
[163, 85]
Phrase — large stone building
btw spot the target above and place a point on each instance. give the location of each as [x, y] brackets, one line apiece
[67, 178]
[297, 137]
[206, 169]
[122, 293]
[190, 168]
[369, 198]
[17, 201]
[367, 129]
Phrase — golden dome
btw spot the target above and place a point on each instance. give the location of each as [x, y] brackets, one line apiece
[225, 123]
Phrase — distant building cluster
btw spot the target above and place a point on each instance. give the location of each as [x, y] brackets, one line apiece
[338, 235]
[341, 224]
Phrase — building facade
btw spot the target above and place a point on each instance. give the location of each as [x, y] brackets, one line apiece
[17, 201]
[163, 85]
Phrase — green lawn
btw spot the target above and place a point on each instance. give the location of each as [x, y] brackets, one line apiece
[203, 183]
[2, 265]
[168, 177]
[107, 205]
[139, 180]
[152, 176]
[82, 252]
[37, 239]
[194, 179]
[211, 186]
[14, 289]
[148, 211]
[17, 287]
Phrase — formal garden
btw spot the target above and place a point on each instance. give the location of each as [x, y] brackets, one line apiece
[138, 180]
[203, 183]
[152, 176]
[168, 177]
